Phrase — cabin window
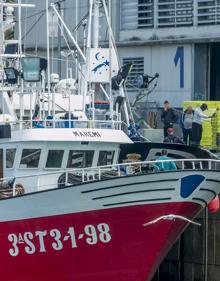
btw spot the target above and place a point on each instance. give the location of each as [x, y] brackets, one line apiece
[10, 157]
[105, 158]
[30, 158]
[80, 159]
[54, 158]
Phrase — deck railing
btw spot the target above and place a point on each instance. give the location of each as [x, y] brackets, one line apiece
[81, 175]
[64, 123]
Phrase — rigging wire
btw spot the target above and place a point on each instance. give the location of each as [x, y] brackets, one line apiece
[25, 29]
[43, 10]
[36, 37]
[42, 13]
[33, 15]
[33, 25]
[69, 48]
[80, 22]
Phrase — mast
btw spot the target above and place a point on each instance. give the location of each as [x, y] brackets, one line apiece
[58, 3]
[112, 43]
[110, 59]
[2, 38]
[1, 41]
[69, 33]
[97, 57]
[48, 60]
[96, 24]
[5, 57]
[79, 51]
[21, 100]
[76, 35]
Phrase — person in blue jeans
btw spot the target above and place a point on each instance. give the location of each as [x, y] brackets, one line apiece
[165, 166]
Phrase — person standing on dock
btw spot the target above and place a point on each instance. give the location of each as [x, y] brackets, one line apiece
[168, 117]
[186, 120]
[198, 119]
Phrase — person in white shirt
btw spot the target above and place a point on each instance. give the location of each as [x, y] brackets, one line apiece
[198, 119]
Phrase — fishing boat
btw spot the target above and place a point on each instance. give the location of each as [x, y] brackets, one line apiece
[80, 198]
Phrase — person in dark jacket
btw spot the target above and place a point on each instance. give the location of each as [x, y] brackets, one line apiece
[186, 120]
[168, 117]
[171, 138]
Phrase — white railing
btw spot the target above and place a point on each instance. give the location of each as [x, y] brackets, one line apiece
[82, 175]
[150, 166]
[64, 123]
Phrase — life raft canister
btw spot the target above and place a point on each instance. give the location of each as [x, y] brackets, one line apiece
[214, 205]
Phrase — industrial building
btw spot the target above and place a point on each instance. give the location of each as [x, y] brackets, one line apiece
[179, 39]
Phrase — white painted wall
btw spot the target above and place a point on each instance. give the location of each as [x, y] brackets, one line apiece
[160, 59]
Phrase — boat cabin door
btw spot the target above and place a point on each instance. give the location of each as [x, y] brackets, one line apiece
[1, 163]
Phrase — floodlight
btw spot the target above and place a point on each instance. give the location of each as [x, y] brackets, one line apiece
[11, 48]
[121, 77]
[32, 67]
[11, 75]
[143, 80]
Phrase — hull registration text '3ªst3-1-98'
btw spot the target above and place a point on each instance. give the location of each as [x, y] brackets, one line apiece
[40, 241]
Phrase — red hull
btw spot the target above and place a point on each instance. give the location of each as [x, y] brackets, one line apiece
[87, 250]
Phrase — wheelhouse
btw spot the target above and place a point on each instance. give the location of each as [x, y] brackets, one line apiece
[42, 151]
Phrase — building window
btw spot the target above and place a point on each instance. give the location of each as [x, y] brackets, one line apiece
[129, 16]
[145, 13]
[105, 158]
[54, 159]
[175, 13]
[208, 12]
[137, 14]
[10, 157]
[30, 158]
[80, 159]
[137, 68]
[168, 13]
